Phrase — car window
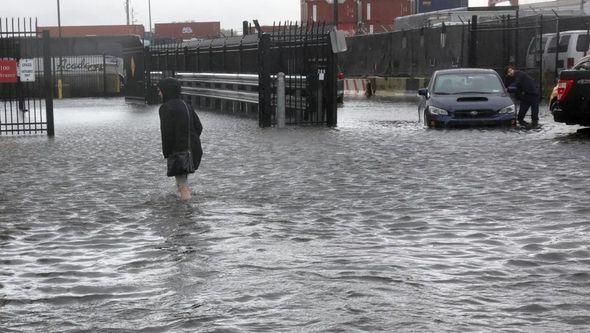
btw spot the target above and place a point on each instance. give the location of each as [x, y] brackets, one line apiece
[467, 83]
[582, 43]
[564, 41]
[583, 66]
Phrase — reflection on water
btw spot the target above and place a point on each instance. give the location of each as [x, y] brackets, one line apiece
[377, 225]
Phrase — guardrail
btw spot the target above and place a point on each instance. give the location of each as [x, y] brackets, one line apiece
[230, 87]
[288, 90]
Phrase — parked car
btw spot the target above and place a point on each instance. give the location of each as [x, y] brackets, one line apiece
[466, 97]
[572, 94]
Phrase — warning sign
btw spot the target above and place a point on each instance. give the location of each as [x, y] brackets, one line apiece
[26, 69]
[8, 71]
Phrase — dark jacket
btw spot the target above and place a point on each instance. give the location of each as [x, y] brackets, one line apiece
[175, 115]
[524, 86]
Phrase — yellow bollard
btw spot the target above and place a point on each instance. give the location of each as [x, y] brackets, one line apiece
[60, 94]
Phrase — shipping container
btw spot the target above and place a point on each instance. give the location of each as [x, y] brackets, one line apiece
[95, 30]
[365, 16]
[187, 30]
[425, 6]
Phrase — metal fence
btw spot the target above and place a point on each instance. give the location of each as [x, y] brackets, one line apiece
[491, 44]
[302, 53]
[87, 76]
[26, 100]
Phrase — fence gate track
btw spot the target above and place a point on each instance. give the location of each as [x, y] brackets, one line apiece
[26, 99]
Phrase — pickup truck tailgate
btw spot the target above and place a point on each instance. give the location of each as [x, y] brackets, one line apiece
[573, 96]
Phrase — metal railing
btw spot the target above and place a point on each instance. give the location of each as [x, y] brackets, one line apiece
[244, 88]
[230, 87]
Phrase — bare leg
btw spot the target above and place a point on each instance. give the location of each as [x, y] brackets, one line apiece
[183, 188]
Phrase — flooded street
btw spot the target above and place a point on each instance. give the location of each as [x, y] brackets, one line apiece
[376, 225]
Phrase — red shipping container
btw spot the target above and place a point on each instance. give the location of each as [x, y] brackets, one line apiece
[371, 15]
[95, 30]
[188, 30]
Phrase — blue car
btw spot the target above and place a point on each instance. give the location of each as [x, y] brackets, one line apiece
[466, 97]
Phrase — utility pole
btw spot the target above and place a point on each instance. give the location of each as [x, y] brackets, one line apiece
[150, 13]
[60, 66]
[336, 14]
[127, 11]
[58, 19]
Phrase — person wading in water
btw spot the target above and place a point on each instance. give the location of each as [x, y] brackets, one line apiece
[527, 93]
[178, 123]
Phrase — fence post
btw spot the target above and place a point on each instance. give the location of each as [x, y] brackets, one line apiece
[473, 42]
[517, 39]
[187, 59]
[264, 83]
[332, 84]
[281, 107]
[104, 74]
[48, 78]
[557, 37]
[541, 55]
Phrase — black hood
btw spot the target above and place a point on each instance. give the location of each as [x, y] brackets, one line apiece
[170, 88]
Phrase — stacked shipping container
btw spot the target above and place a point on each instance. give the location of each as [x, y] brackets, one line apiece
[366, 16]
[188, 30]
[95, 30]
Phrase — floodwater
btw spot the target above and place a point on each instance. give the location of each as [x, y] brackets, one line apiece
[377, 225]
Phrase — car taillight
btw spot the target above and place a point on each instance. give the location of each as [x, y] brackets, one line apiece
[563, 88]
[570, 63]
[340, 76]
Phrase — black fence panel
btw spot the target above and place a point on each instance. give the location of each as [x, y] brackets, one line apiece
[410, 53]
[419, 52]
[136, 81]
[88, 76]
[26, 101]
[302, 53]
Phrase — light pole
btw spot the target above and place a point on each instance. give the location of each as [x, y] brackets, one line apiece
[127, 11]
[150, 14]
[58, 19]
[59, 82]
[336, 14]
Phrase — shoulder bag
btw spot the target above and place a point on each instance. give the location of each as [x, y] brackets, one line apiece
[181, 163]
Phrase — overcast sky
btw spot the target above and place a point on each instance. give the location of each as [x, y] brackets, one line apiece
[230, 13]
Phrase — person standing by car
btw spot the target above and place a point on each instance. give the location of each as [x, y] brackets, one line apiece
[527, 93]
[181, 130]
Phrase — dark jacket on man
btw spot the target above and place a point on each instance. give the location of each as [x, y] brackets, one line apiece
[525, 87]
[175, 117]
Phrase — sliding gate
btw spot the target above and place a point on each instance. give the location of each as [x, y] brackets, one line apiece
[26, 100]
[304, 54]
[287, 73]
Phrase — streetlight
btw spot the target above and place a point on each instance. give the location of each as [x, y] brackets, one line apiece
[150, 13]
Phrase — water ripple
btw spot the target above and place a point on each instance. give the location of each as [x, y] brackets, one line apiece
[377, 225]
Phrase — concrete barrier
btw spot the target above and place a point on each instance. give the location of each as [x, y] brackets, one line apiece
[384, 86]
[355, 87]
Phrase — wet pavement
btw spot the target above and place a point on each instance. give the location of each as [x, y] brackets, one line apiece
[377, 225]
